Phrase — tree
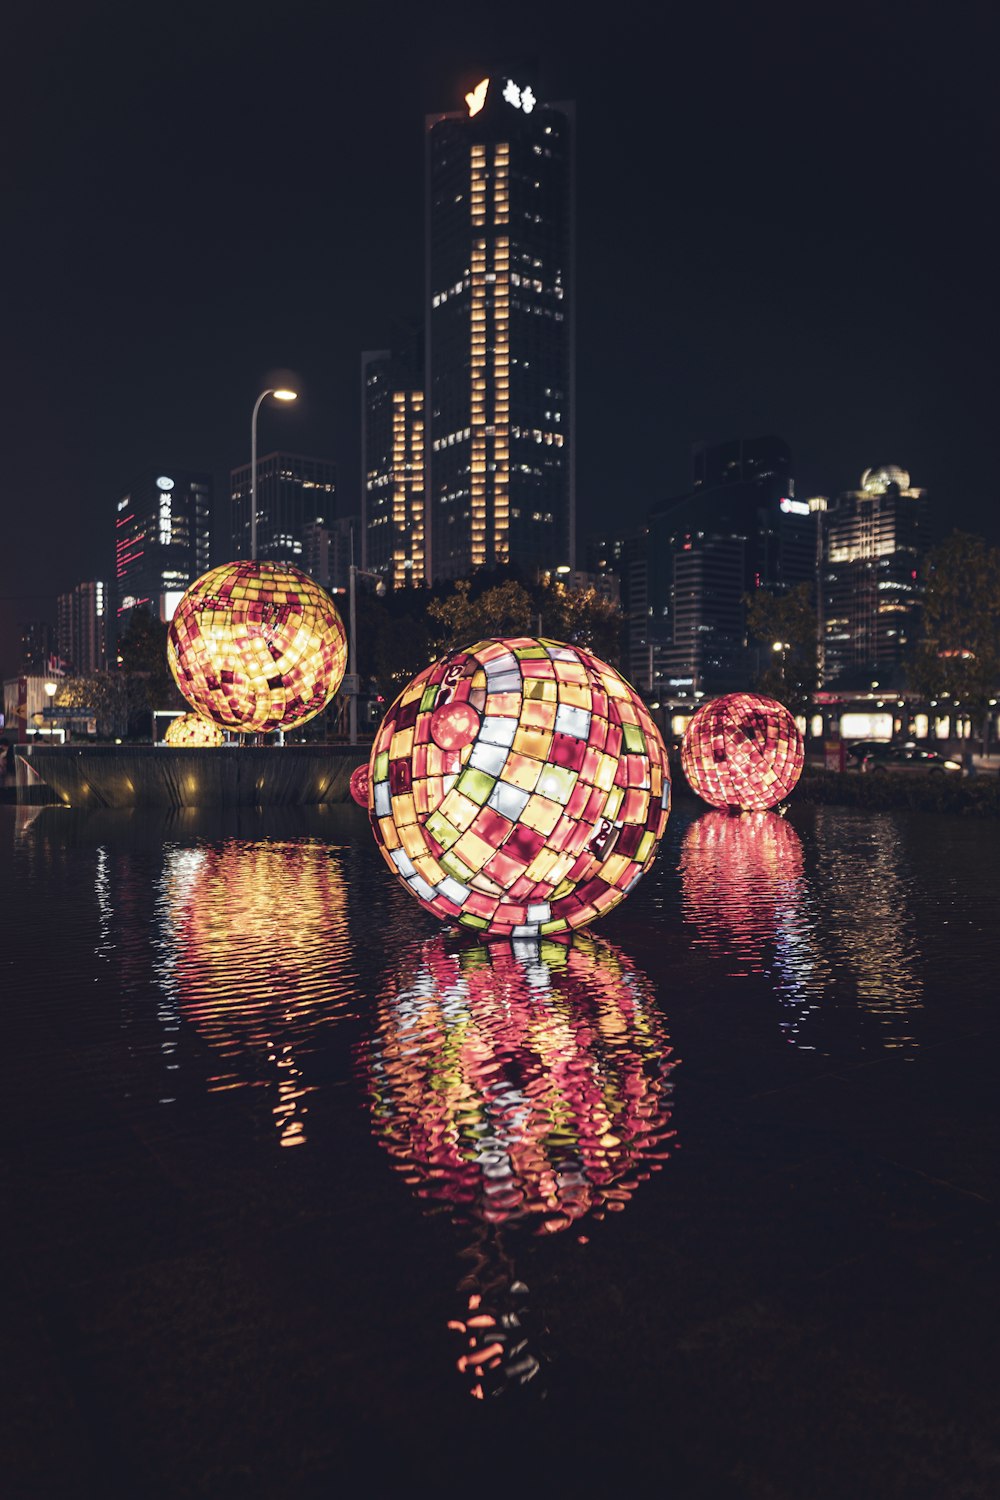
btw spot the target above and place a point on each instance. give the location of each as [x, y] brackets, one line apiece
[143, 653]
[959, 652]
[510, 607]
[118, 699]
[464, 618]
[581, 617]
[784, 629]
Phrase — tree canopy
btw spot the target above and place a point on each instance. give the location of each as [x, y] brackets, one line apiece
[959, 652]
[784, 627]
[581, 617]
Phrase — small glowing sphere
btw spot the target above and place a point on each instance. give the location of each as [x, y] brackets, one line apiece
[257, 646]
[519, 787]
[192, 729]
[359, 785]
[742, 750]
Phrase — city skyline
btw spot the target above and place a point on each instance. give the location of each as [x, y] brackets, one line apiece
[766, 243]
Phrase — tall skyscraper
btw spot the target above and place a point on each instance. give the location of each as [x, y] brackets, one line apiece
[81, 627]
[876, 540]
[293, 492]
[499, 379]
[393, 498]
[162, 541]
[738, 529]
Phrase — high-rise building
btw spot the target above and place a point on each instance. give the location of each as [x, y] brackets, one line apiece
[162, 541]
[81, 627]
[738, 529]
[876, 538]
[327, 553]
[393, 497]
[293, 492]
[499, 377]
[37, 640]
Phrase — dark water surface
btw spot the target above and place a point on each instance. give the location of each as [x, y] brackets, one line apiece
[302, 1193]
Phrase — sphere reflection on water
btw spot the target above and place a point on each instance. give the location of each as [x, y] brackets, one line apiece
[742, 877]
[519, 1085]
[254, 941]
[523, 1088]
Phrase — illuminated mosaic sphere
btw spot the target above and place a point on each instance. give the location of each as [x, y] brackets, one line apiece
[742, 750]
[192, 729]
[519, 787]
[359, 785]
[257, 646]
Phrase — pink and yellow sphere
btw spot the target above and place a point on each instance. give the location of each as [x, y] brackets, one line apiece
[257, 646]
[519, 787]
[743, 751]
[193, 730]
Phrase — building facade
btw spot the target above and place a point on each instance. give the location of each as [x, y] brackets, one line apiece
[499, 373]
[393, 495]
[737, 530]
[293, 493]
[82, 627]
[162, 541]
[876, 539]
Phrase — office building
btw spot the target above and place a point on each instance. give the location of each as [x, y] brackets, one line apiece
[876, 538]
[81, 628]
[162, 541]
[393, 497]
[293, 492]
[327, 552]
[500, 332]
[739, 528]
[37, 640]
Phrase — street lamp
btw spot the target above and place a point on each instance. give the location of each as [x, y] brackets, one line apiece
[279, 395]
[51, 689]
[781, 646]
[352, 573]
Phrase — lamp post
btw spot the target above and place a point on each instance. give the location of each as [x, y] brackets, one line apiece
[352, 574]
[51, 688]
[279, 395]
[781, 646]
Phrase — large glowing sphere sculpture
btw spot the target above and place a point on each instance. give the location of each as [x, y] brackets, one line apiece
[742, 750]
[519, 787]
[194, 731]
[257, 646]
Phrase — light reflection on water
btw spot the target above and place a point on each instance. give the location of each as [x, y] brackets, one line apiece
[749, 901]
[515, 1092]
[254, 953]
[518, 1086]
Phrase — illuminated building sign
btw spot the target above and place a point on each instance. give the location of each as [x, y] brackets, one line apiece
[795, 507]
[163, 483]
[518, 97]
[477, 98]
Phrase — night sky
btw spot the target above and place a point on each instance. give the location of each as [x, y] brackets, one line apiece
[785, 224]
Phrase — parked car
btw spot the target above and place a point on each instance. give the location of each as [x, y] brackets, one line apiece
[876, 757]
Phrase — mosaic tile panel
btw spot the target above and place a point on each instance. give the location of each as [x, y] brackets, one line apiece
[519, 787]
[257, 646]
[742, 750]
[192, 729]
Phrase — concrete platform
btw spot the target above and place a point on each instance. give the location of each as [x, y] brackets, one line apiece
[87, 776]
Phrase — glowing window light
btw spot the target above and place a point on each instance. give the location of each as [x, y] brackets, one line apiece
[742, 750]
[257, 646]
[193, 730]
[519, 787]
